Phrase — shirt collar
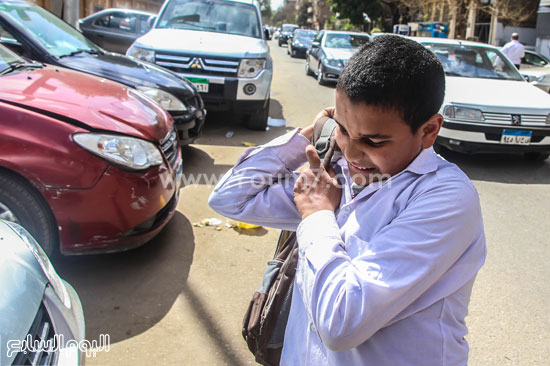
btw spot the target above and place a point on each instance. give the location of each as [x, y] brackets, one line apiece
[425, 162]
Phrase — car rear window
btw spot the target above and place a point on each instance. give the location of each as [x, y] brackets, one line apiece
[342, 40]
[474, 61]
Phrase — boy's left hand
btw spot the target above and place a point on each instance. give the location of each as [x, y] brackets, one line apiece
[316, 188]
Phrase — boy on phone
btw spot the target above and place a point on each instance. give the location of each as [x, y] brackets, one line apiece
[390, 239]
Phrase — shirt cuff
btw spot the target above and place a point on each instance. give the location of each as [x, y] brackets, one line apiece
[319, 238]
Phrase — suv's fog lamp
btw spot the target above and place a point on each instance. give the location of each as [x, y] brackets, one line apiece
[249, 89]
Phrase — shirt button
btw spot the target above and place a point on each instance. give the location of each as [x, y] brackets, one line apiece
[312, 327]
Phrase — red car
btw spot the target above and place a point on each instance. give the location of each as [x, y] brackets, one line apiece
[86, 165]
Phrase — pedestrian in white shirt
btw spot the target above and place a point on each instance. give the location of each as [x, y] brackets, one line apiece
[514, 50]
[390, 239]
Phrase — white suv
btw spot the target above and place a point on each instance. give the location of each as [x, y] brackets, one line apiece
[219, 46]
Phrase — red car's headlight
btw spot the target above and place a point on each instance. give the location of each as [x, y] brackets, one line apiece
[127, 152]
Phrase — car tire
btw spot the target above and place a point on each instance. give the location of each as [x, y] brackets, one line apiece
[320, 78]
[536, 156]
[280, 43]
[308, 69]
[258, 121]
[292, 52]
[22, 201]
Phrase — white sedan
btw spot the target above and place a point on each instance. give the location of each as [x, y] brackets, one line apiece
[489, 106]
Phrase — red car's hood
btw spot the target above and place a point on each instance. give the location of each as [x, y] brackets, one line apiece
[99, 103]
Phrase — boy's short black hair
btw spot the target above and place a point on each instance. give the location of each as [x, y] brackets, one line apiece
[396, 73]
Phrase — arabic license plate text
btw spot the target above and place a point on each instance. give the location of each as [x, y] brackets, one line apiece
[514, 137]
[201, 84]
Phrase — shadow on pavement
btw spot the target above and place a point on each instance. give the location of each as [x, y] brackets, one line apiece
[199, 167]
[218, 124]
[220, 339]
[501, 168]
[125, 294]
[259, 231]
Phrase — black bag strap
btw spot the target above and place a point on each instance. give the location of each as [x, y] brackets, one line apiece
[324, 144]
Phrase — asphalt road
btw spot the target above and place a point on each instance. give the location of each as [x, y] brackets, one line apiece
[179, 300]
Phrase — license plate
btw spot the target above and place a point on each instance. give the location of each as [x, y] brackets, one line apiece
[200, 84]
[515, 137]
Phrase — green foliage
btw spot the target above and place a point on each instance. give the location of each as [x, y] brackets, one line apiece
[354, 9]
[348, 27]
[376, 30]
[265, 9]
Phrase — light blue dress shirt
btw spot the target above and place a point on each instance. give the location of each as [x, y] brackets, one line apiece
[383, 281]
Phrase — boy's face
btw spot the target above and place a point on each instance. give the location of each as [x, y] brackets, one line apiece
[376, 142]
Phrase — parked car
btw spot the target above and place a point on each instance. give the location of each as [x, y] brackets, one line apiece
[300, 42]
[267, 33]
[489, 106]
[116, 29]
[536, 68]
[330, 51]
[87, 165]
[286, 33]
[36, 305]
[39, 35]
[219, 46]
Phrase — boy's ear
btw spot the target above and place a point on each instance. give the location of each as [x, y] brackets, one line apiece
[430, 129]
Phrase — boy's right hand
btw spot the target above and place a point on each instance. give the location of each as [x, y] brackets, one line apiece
[308, 131]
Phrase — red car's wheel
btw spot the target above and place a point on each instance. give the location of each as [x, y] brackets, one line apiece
[20, 202]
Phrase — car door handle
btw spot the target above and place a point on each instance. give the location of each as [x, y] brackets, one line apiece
[101, 35]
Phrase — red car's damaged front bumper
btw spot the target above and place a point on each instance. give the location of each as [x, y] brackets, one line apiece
[121, 211]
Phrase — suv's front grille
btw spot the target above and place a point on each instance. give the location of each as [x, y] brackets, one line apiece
[169, 146]
[42, 333]
[198, 64]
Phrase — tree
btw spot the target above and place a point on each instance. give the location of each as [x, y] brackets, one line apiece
[513, 12]
[354, 9]
[265, 9]
[285, 14]
[304, 17]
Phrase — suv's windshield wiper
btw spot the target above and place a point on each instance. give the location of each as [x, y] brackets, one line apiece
[91, 52]
[19, 65]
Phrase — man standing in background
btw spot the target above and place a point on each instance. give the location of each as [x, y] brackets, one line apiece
[514, 50]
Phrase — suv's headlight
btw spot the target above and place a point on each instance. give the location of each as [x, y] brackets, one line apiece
[124, 151]
[336, 63]
[463, 113]
[53, 278]
[166, 100]
[142, 54]
[251, 67]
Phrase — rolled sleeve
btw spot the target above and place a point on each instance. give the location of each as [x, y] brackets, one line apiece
[259, 188]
